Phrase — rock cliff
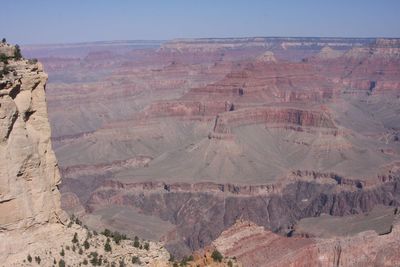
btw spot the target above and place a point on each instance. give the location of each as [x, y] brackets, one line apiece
[33, 227]
[29, 173]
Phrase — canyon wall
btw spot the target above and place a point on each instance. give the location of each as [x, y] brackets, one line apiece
[29, 173]
[202, 211]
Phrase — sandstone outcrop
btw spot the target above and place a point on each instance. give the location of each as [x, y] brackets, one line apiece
[33, 227]
[29, 172]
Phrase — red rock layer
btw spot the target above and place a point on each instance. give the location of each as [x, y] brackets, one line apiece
[254, 246]
[268, 115]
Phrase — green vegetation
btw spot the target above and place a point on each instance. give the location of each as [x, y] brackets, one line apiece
[86, 244]
[62, 253]
[61, 263]
[95, 260]
[85, 262]
[37, 259]
[17, 52]
[217, 256]
[29, 258]
[107, 246]
[3, 58]
[77, 221]
[146, 246]
[135, 260]
[136, 242]
[75, 239]
[185, 260]
[6, 70]
[116, 236]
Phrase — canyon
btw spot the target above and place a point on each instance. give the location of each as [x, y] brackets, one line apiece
[242, 144]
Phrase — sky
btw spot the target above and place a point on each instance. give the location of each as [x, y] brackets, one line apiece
[69, 21]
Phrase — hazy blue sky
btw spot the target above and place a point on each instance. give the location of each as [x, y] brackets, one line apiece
[56, 21]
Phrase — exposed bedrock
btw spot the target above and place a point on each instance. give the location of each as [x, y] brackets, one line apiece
[201, 212]
[187, 108]
[267, 115]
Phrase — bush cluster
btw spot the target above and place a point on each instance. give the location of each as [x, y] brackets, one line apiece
[116, 236]
[217, 256]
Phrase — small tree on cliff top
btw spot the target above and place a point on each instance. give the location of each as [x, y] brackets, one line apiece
[17, 52]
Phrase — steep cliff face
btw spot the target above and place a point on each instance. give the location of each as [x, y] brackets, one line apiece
[202, 211]
[29, 174]
[32, 223]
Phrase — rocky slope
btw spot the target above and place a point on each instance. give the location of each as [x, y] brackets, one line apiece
[255, 246]
[33, 228]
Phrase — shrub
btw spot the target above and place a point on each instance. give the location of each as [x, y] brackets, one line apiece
[116, 236]
[106, 232]
[121, 263]
[77, 221]
[17, 52]
[107, 246]
[185, 260]
[135, 259]
[29, 258]
[62, 253]
[4, 40]
[85, 262]
[146, 246]
[86, 244]
[37, 259]
[230, 264]
[3, 58]
[93, 261]
[80, 251]
[136, 243]
[6, 70]
[61, 263]
[216, 255]
[75, 239]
